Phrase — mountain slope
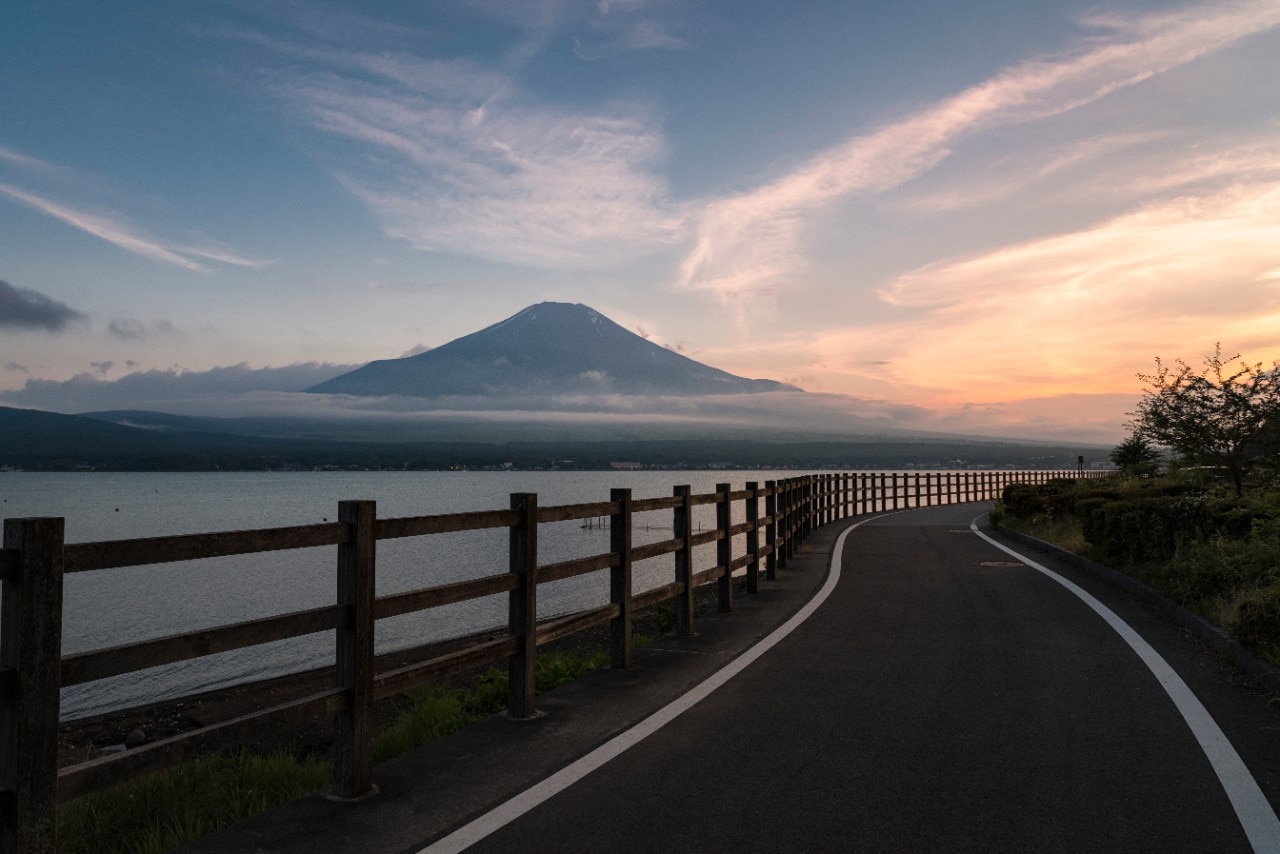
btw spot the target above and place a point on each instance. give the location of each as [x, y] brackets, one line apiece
[546, 349]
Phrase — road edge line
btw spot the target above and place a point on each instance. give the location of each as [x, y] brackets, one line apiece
[1254, 811]
[511, 809]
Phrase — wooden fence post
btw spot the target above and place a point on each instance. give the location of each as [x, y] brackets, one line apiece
[794, 515]
[810, 502]
[353, 728]
[784, 533]
[753, 537]
[30, 666]
[724, 548]
[682, 529]
[771, 530]
[824, 500]
[620, 580]
[522, 606]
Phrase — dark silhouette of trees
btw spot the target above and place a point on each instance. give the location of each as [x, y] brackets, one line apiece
[1135, 456]
[1224, 416]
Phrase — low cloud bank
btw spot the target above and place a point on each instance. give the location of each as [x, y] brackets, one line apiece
[239, 391]
[217, 390]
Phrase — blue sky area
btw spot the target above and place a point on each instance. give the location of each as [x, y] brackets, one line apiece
[983, 217]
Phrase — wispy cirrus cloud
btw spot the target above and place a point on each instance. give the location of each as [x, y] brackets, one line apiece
[109, 226]
[748, 241]
[452, 155]
[1078, 312]
[461, 168]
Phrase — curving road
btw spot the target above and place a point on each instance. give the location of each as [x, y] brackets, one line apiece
[944, 696]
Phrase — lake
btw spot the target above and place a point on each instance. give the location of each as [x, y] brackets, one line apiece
[116, 606]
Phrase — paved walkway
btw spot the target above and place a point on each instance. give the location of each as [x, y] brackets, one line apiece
[943, 697]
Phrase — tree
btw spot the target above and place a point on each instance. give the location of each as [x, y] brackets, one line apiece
[1223, 416]
[1135, 455]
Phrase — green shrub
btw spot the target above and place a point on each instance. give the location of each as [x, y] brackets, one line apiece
[1258, 621]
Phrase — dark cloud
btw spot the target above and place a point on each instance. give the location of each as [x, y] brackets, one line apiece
[132, 330]
[127, 328]
[14, 366]
[169, 390]
[23, 308]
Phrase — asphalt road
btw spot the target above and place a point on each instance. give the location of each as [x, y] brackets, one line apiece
[944, 697]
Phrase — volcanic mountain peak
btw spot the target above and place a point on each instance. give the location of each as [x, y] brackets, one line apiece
[547, 349]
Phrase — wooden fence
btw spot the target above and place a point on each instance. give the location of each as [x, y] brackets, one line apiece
[34, 559]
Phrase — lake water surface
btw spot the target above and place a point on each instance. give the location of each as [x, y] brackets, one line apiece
[116, 606]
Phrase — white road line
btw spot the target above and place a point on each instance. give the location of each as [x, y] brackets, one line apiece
[1252, 808]
[509, 811]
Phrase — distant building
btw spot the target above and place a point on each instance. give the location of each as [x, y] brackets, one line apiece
[625, 466]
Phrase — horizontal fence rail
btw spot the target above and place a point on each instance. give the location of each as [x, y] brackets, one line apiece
[775, 518]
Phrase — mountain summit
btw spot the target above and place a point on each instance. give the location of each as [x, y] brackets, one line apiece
[548, 349]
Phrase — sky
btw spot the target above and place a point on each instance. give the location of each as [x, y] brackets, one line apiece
[983, 217]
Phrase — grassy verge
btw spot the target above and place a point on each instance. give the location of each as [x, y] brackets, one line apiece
[1214, 553]
[161, 811]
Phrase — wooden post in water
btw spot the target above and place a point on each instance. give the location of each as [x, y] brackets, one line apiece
[771, 530]
[753, 537]
[620, 580]
[522, 606]
[682, 529]
[724, 548]
[30, 670]
[353, 727]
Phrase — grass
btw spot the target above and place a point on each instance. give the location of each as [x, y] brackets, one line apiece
[1228, 573]
[158, 812]
[1063, 532]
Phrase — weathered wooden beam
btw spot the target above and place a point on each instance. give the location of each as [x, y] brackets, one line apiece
[578, 566]
[554, 630]
[401, 679]
[753, 537]
[682, 530]
[620, 580]
[126, 658]
[31, 647]
[395, 604]
[569, 512]
[82, 557]
[522, 606]
[353, 726]
[649, 550]
[724, 547]
[445, 523]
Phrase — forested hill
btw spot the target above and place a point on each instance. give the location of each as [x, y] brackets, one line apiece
[32, 439]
